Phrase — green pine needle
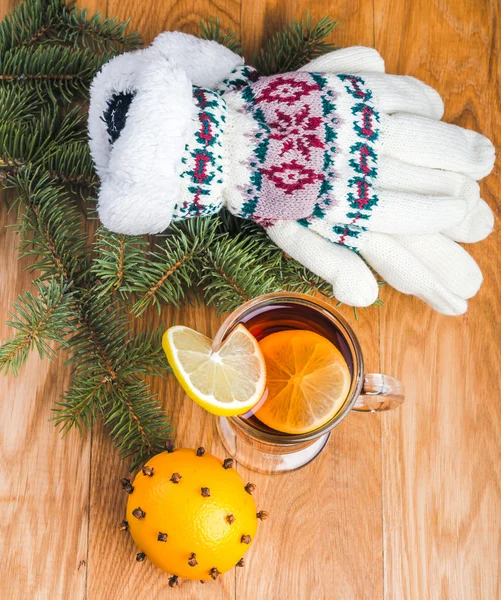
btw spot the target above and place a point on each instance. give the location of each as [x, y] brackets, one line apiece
[28, 23]
[38, 320]
[60, 72]
[118, 261]
[168, 273]
[210, 29]
[50, 229]
[236, 270]
[295, 45]
[94, 33]
[49, 53]
[49, 22]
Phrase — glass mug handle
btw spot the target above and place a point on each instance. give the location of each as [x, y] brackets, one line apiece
[379, 392]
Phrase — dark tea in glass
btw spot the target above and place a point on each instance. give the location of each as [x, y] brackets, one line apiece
[305, 367]
[270, 449]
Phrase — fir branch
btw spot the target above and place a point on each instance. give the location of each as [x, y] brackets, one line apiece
[54, 70]
[169, 272]
[107, 378]
[295, 45]
[100, 339]
[145, 355]
[141, 429]
[100, 343]
[95, 33]
[51, 231]
[40, 139]
[79, 405]
[39, 320]
[17, 106]
[132, 416]
[173, 268]
[28, 23]
[71, 164]
[33, 135]
[210, 29]
[118, 260]
[49, 53]
[43, 22]
[236, 270]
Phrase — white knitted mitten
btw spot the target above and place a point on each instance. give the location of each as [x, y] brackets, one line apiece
[397, 177]
[333, 165]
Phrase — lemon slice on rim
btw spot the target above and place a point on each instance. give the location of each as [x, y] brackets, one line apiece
[228, 381]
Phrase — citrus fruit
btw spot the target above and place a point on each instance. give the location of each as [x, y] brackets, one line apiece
[226, 381]
[191, 514]
[308, 381]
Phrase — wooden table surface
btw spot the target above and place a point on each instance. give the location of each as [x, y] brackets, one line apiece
[403, 505]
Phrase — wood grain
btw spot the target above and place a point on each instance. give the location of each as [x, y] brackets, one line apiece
[441, 468]
[399, 506]
[155, 16]
[44, 485]
[111, 553]
[44, 479]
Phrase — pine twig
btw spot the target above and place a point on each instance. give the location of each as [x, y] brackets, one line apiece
[43, 22]
[210, 29]
[60, 72]
[295, 45]
[117, 261]
[95, 33]
[168, 274]
[38, 320]
[236, 269]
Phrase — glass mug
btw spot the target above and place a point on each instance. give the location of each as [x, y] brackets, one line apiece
[269, 451]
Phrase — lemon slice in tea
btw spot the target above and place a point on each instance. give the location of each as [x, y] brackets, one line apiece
[308, 381]
[228, 381]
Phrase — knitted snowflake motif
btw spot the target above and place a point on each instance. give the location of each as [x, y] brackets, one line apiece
[292, 164]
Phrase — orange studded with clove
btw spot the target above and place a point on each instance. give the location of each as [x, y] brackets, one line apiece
[191, 514]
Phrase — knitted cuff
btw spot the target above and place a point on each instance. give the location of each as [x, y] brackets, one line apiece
[202, 174]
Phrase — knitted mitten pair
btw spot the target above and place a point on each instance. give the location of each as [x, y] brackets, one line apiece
[343, 164]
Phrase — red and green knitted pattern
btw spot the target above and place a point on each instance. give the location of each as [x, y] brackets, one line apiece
[202, 177]
[294, 144]
[360, 197]
[293, 134]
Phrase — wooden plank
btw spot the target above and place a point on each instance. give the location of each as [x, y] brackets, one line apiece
[113, 570]
[44, 480]
[112, 567]
[441, 470]
[346, 480]
[151, 18]
[324, 537]
[320, 514]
